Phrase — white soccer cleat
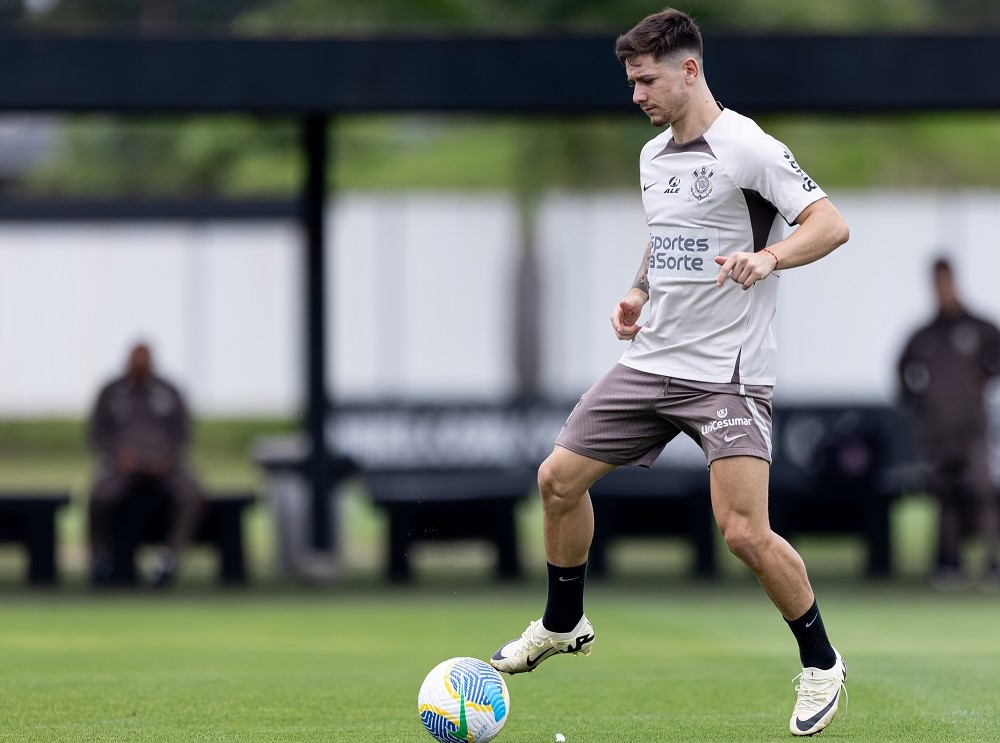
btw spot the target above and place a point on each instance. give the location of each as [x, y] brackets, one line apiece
[819, 697]
[537, 643]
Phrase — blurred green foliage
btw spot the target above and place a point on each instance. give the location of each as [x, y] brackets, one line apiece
[243, 157]
[323, 17]
[928, 150]
[104, 156]
[314, 17]
[52, 452]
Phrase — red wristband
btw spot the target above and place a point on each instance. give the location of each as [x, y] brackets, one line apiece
[769, 252]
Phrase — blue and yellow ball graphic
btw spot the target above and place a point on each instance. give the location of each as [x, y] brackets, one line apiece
[463, 699]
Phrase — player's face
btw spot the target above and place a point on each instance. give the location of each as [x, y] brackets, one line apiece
[658, 87]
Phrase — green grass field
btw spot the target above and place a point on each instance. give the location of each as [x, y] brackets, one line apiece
[674, 661]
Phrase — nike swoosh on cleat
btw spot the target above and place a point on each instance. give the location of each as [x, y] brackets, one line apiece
[804, 725]
[533, 662]
[580, 642]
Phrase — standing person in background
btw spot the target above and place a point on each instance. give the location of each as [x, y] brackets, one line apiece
[942, 373]
[719, 195]
[140, 430]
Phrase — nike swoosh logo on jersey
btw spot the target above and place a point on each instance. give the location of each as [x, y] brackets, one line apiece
[729, 438]
[646, 188]
[804, 725]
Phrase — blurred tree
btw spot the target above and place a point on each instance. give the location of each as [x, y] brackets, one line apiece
[146, 15]
[324, 17]
[106, 157]
[314, 16]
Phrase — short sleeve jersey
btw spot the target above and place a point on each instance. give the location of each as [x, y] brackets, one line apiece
[734, 189]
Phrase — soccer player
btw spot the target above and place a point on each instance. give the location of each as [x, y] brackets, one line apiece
[719, 194]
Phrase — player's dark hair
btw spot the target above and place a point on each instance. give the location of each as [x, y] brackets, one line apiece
[660, 35]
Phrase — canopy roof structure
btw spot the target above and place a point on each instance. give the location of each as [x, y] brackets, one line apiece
[753, 74]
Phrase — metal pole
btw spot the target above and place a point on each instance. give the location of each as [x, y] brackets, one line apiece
[314, 131]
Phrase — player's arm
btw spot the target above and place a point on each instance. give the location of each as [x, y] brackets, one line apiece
[625, 314]
[821, 230]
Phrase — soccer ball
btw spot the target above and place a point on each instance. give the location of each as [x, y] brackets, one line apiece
[463, 699]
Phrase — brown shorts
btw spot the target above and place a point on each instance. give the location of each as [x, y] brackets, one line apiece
[628, 416]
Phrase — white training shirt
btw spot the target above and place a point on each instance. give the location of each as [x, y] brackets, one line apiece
[733, 189]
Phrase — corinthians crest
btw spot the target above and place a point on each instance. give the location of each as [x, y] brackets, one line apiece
[701, 189]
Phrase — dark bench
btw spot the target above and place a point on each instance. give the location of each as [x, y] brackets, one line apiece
[838, 469]
[30, 519]
[142, 520]
[438, 506]
[448, 472]
[655, 502]
[454, 470]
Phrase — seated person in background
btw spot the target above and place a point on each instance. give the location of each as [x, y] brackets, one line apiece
[140, 429]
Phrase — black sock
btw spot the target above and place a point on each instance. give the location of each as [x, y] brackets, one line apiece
[564, 605]
[815, 649]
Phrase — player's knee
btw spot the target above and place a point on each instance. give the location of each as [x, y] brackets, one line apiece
[554, 487]
[744, 542]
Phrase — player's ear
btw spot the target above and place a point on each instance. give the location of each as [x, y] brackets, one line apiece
[691, 68]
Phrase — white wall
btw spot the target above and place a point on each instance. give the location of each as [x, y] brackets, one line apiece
[218, 303]
[843, 320]
[421, 296]
[422, 299]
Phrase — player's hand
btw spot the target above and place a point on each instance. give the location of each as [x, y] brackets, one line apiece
[745, 268]
[626, 313]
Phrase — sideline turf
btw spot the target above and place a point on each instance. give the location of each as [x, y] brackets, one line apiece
[671, 663]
